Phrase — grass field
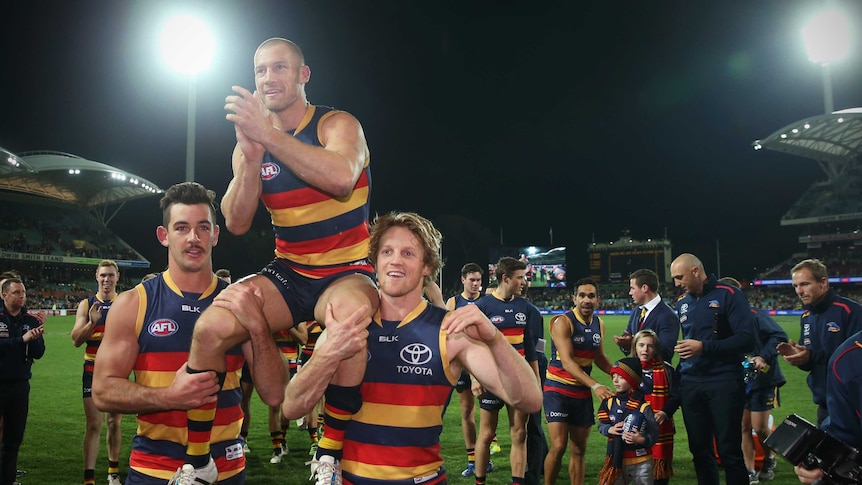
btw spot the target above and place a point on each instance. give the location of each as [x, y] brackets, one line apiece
[51, 453]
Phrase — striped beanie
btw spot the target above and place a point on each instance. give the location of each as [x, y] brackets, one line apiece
[629, 369]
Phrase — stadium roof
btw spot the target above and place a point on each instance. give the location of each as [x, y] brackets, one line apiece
[71, 179]
[66, 178]
[834, 140]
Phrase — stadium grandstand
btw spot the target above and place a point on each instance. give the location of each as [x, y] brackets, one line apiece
[828, 214]
[58, 250]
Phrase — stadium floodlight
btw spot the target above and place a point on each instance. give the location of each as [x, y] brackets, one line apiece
[827, 39]
[188, 46]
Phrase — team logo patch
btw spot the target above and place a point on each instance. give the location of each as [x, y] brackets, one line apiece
[269, 171]
[713, 303]
[164, 327]
[416, 354]
[833, 327]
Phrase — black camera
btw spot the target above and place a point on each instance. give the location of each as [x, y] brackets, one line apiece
[802, 443]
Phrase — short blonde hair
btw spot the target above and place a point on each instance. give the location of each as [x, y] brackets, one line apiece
[428, 235]
[647, 332]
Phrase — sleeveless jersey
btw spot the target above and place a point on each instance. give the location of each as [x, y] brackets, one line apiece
[165, 322]
[98, 331]
[461, 301]
[288, 347]
[510, 316]
[317, 233]
[395, 436]
[586, 338]
[314, 331]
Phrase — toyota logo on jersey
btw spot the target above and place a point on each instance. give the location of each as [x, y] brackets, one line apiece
[269, 171]
[416, 354]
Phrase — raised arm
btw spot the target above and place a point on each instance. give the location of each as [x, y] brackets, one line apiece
[333, 168]
[114, 392]
[242, 197]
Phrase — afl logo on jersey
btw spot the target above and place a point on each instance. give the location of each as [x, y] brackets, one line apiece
[163, 328]
[497, 319]
[269, 171]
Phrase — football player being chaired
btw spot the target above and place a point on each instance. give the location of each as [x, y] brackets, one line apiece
[628, 421]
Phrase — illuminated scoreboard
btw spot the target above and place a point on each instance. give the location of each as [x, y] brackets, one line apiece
[613, 262]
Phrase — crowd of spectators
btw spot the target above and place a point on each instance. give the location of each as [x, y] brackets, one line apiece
[827, 198]
[61, 233]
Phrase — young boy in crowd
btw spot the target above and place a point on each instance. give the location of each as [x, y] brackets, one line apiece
[628, 421]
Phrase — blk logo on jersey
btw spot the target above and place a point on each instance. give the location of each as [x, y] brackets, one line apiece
[164, 327]
[191, 309]
[269, 171]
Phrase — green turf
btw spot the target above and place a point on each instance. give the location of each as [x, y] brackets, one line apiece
[51, 453]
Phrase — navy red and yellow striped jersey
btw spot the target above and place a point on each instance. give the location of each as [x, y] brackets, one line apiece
[586, 339]
[98, 331]
[314, 230]
[395, 436]
[510, 316]
[314, 331]
[165, 323]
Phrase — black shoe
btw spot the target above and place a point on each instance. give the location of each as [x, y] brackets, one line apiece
[767, 471]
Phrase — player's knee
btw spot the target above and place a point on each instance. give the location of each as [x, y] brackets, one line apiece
[113, 420]
[218, 328]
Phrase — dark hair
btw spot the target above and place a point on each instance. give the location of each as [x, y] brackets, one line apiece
[9, 281]
[223, 273]
[470, 268]
[585, 281]
[645, 277]
[188, 193]
[507, 266]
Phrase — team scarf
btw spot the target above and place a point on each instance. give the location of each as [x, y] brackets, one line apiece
[662, 450]
[613, 464]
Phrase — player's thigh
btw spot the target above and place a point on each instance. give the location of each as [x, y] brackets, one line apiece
[275, 308]
[346, 295]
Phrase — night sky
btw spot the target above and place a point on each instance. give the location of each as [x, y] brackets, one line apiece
[516, 115]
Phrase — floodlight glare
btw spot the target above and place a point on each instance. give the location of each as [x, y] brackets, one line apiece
[187, 44]
[827, 37]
